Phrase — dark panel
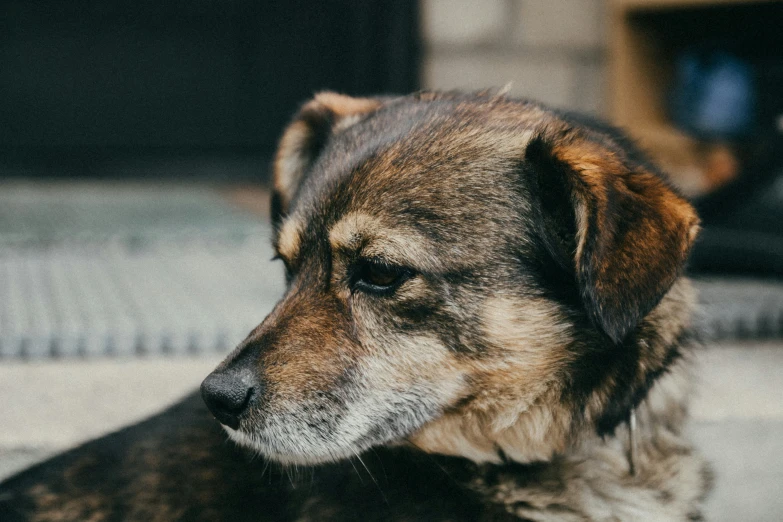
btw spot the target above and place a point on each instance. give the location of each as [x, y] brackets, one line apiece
[116, 78]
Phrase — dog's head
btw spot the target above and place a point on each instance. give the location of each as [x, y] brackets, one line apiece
[467, 273]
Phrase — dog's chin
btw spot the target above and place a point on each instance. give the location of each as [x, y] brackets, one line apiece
[295, 455]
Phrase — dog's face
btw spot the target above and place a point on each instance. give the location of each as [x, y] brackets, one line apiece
[467, 273]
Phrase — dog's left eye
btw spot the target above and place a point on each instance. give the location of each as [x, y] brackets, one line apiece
[379, 278]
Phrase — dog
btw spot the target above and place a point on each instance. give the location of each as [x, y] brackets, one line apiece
[485, 319]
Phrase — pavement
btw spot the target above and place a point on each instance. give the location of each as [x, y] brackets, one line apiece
[52, 405]
[738, 425]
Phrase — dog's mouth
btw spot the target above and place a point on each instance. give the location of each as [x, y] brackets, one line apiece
[291, 450]
[313, 434]
[297, 448]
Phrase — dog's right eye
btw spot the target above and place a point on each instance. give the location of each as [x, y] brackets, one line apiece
[377, 277]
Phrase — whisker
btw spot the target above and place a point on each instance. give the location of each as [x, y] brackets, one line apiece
[373, 479]
[266, 466]
[288, 474]
[380, 460]
[356, 470]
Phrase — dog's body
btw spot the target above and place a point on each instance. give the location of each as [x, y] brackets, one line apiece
[482, 296]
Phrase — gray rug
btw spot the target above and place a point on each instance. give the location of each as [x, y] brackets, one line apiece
[740, 308]
[123, 270]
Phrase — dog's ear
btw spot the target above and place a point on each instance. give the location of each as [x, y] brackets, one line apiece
[304, 139]
[616, 225]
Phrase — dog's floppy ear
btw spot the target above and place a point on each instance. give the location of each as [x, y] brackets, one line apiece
[616, 225]
[304, 139]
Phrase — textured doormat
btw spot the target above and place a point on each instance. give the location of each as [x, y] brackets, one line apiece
[120, 299]
[93, 269]
[740, 308]
[96, 269]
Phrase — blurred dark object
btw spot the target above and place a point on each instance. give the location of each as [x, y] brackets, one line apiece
[714, 95]
[83, 83]
[743, 219]
[698, 83]
[721, 165]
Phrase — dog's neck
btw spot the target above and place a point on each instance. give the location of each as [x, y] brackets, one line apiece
[548, 427]
[541, 435]
[593, 477]
[595, 480]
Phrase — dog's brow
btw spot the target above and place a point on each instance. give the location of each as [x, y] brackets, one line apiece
[357, 231]
[290, 238]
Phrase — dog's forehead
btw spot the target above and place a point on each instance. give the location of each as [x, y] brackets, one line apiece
[437, 166]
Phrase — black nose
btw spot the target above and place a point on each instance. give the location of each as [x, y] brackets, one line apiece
[227, 394]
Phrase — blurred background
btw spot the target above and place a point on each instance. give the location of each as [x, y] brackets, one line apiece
[136, 138]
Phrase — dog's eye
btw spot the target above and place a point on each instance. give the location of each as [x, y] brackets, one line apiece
[378, 277]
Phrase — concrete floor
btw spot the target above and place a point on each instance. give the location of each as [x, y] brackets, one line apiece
[49, 406]
[738, 425]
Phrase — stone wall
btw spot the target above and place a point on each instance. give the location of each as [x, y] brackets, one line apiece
[552, 51]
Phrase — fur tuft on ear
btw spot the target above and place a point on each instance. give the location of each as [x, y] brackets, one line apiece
[619, 227]
[304, 139]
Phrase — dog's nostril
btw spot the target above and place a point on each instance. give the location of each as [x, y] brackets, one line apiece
[226, 396]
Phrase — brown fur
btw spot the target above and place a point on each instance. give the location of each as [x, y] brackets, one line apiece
[440, 198]
[326, 112]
